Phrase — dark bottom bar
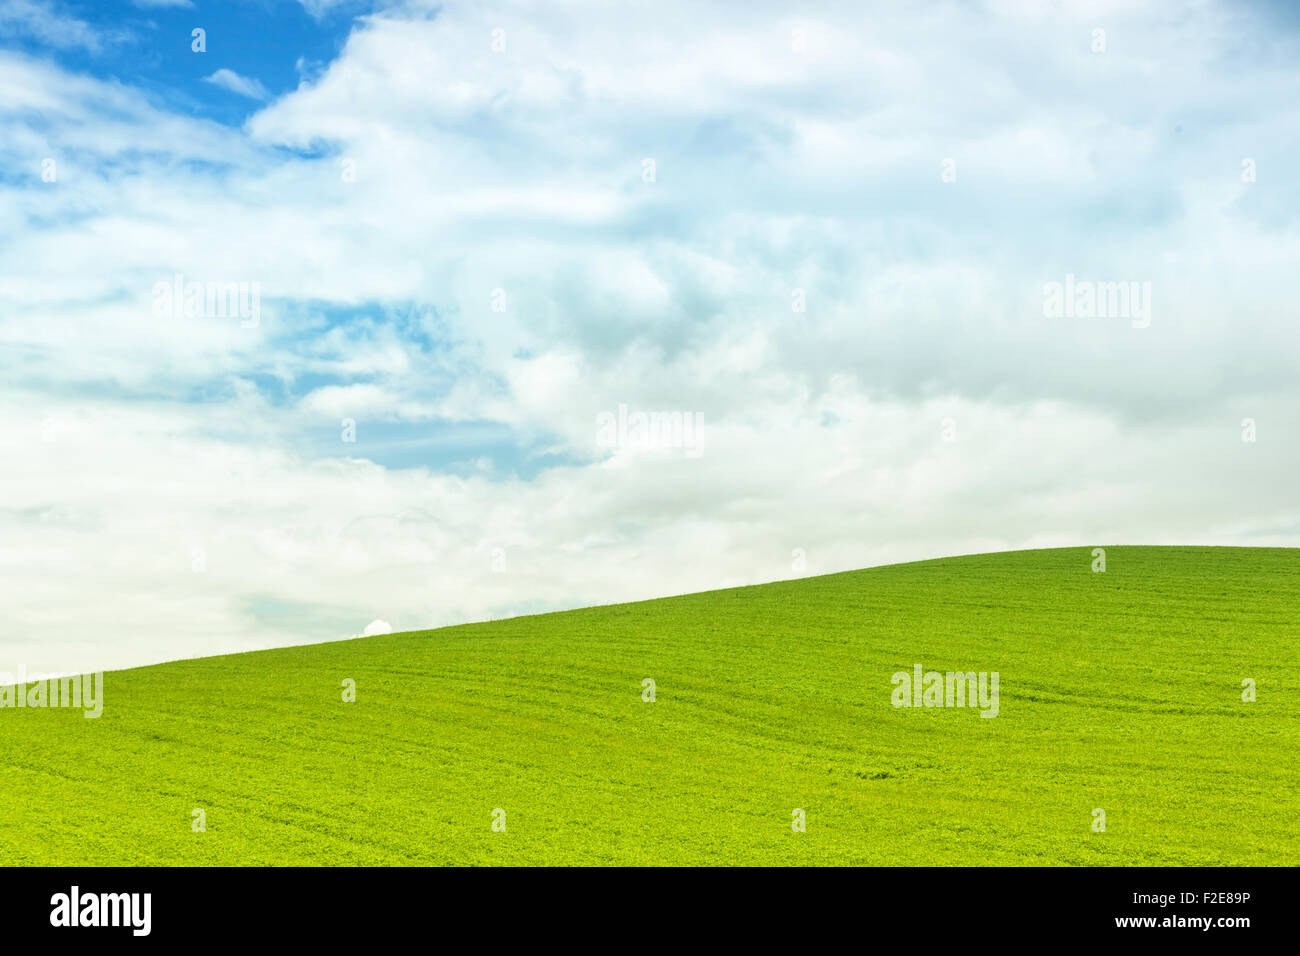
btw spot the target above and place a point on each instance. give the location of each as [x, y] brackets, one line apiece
[950, 907]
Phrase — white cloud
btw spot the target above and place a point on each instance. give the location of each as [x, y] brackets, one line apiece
[44, 22]
[242, 85]
[319, 8]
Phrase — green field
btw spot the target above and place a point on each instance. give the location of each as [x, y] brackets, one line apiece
[1119, 690]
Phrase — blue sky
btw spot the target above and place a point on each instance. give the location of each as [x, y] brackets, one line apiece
[253, 52]
[476, 231]
[147, 44]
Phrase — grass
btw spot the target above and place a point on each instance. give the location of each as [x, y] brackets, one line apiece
[1119, 690]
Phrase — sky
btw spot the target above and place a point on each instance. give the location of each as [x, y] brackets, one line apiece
[347, 315]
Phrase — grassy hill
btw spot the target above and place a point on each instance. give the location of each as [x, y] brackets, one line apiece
[1119, 690]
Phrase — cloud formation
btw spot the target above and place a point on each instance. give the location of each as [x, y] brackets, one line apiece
[240, 85]
[826, 237]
